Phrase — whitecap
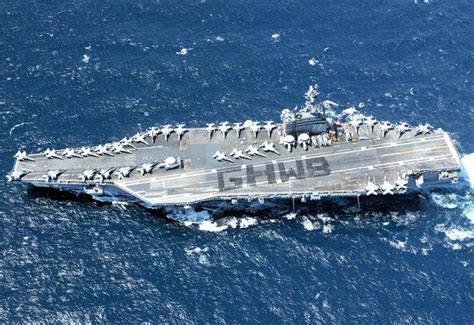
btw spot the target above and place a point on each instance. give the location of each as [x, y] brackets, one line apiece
[398, 244]
[459, 234]
[183, 51]
[327, 229]
[313, 61]
[307, 224]
[85, 58]
[196, 250]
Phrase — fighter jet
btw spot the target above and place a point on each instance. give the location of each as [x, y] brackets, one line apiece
[238, 128]
[166, 130]
[370, 122]
[424, 129]
[153, 133]
[401, 184]
[371, 188]
[255, 127]
[269, 126]
[87, 175]
[71, 153]
[210, 129]
[118, 148]
[105, 173]
[86, 151]
[51, 153]
[224, 128]
[220, 156]
[355, 123]
[170, 163]
[269, 146]
[237, 154]
[17, 175]
[123, 172]
[180, 130]
[385, 127]
[350, 111]
[103, 150]
[125, 142]
[140, 138]
[402, 128]
[146, 168]
[52, 175]
[386, 187]
[253, 151]
[21, 156]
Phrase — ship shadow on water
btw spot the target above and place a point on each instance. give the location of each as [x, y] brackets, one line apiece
[58, 195]
[337, 208]
[333, 208]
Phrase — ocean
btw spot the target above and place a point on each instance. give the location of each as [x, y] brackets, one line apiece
[78, 73]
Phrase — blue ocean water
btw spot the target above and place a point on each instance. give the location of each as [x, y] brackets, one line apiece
[76, 73]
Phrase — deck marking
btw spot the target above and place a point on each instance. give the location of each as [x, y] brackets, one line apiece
[199, 197]
[451, 148]
[285, 159]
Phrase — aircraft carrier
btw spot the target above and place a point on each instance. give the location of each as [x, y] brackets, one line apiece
[312, 153]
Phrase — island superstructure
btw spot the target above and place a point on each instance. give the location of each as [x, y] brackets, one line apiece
[312, 153]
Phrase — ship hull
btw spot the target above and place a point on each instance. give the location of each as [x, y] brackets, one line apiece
[342, 169]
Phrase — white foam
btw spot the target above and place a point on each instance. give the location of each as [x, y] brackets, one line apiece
[307, 224]
[468, 168]
[211, 226]
[247, 222]
[398, 244]
[327, 229]
[85, 58]
[196, 250]
[233, 223]
[188, 216]
[447, 201]
[469, 213]
[313, 61]
[290, 216]
[457, 234]
[17, 126]
[184, 51]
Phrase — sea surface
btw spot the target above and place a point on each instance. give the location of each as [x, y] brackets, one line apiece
[77, 73]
